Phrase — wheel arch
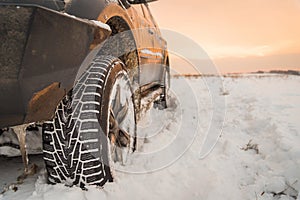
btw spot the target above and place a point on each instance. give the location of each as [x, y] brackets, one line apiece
[118, 24]
[113, 14]
[131, 58]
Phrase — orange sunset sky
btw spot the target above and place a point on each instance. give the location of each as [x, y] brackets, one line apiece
[239, 35]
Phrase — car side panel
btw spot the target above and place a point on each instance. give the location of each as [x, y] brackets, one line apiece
[149, 43]
[39, 62]
[87, 9]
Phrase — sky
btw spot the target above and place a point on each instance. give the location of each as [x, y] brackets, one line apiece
[239, 35]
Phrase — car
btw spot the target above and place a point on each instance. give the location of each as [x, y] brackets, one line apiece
[87, 71]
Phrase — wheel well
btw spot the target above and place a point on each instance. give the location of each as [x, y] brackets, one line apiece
[168, 61]
[125, 43]
[168, 64]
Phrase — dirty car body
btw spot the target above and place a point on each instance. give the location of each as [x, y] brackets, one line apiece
[45, 43]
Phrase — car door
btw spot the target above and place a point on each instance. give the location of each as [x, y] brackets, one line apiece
[149, 49]
[159, 44]
[147, 43]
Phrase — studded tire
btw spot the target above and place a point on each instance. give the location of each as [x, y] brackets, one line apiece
[75, 143]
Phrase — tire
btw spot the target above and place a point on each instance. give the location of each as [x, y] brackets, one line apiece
[79, 143]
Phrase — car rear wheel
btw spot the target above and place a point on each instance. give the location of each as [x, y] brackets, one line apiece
[163, 101]
[94, 126]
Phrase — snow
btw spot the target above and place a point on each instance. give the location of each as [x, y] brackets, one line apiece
[101, 25]
[33, 143]
[97, 23]
[257, 155]
[149, 52]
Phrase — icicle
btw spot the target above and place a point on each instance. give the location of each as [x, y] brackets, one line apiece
[21, 134]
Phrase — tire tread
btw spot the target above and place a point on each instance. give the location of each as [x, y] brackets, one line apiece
[70, 143]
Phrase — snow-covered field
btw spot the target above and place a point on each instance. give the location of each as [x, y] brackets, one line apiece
[257, 155]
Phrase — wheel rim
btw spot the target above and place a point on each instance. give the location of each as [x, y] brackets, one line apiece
[121, 120]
